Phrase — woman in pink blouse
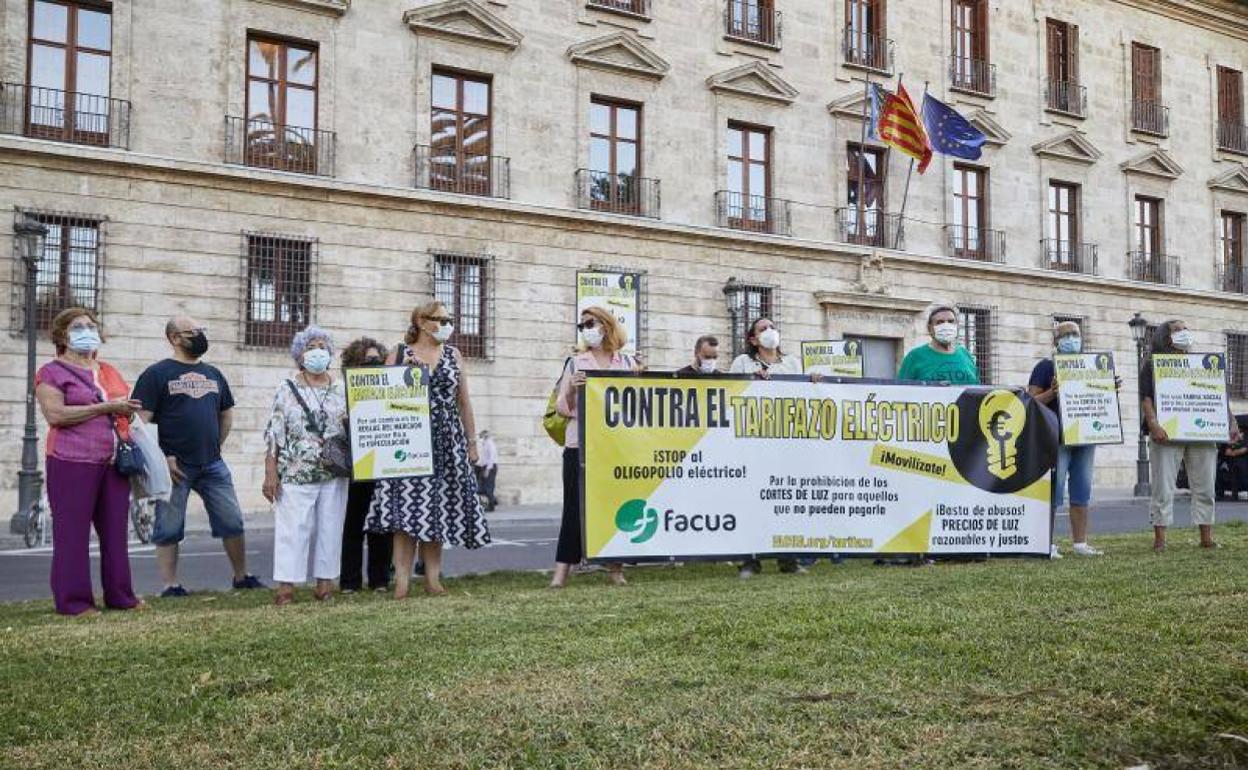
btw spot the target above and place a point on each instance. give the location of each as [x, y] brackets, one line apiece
[602, 337]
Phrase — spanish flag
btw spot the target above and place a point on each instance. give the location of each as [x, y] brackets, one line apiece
[901, 128]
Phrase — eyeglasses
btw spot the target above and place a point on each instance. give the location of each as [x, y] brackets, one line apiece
[82, 325]
[192, 332]
[440, 320]
[583, 325]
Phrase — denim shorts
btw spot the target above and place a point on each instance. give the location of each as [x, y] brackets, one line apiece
[215, 486]
[1074, 462]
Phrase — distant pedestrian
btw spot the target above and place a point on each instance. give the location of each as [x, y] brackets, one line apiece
[487, 469]
[85, 403]
[191, 403]
[309, 502]
[705, 357]
[364, 351]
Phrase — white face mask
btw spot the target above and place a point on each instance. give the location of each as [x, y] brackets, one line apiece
[1181, 339]
[316, 360]
[946, 332]
[444, 332]
[592, 337]
[84, 340]
[769, 339]
[707, 365]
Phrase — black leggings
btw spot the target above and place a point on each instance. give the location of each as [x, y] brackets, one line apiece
[570, 549]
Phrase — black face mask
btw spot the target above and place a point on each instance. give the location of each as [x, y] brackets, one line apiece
[197, 345]
[372, 361]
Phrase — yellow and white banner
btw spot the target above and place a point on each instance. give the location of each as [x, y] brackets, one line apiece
[832, 358]
[388, 417]
[1088, 398]
[720, 467]
[1189, 396]
[618, 293]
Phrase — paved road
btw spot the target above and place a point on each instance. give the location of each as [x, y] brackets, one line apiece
[520, 543]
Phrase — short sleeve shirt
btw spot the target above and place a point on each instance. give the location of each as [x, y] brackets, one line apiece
[186, 402]
[90, 441]
[1042, 377]
[923, 364]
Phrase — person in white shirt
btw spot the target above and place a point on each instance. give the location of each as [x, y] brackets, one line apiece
[487, 470]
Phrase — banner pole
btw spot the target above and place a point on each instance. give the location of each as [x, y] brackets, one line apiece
[901, 215]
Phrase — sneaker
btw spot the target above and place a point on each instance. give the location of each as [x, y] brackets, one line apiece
[174, 592]
[746, 572]
[792, 568]
[1083, 549]
[1053, 552]
[247, 582]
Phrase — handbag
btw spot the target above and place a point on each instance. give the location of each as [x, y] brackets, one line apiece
[335, 455]
[127, 457]
[555, 424]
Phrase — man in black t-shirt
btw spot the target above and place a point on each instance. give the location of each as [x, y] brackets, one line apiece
[705, 357]
[191, 405]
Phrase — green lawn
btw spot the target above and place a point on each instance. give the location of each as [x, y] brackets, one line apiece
[1128, 659]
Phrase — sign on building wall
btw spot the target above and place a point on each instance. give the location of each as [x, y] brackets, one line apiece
[617, 292]
[388, 417]
[1088, 398]
[833, 358]
[1189, 396]
[726, 467]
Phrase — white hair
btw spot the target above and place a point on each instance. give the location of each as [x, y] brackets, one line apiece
[304, 338]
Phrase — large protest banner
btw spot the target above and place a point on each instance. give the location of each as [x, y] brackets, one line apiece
[1189, 396]
[719, 467]
[618, 293]
[1088, 398]
[388, 421]
[832, 358]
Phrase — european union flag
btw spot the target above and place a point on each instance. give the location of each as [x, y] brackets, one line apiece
[876, 96]
[949, 132]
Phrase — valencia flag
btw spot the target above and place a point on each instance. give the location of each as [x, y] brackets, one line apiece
[901, 128]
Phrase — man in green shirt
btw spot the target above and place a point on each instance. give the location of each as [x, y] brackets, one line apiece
[942, 359]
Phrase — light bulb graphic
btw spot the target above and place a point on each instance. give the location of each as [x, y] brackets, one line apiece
[1001, 420]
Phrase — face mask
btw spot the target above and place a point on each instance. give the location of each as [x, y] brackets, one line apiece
[372, 361]
[1181, 339]
[444, 332]
[316, 360]
[592, 337]
[1070, 344]
[769, 339]
[707, 365]
[196, 346]
[84, 340]
[945, 333]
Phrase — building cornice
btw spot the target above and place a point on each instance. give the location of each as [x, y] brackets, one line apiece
[1222, 16]
[75, 158]
[328, 7]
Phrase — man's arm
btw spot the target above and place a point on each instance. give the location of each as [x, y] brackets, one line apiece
[226, 421]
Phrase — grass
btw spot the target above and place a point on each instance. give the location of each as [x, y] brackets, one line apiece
[1112, 662]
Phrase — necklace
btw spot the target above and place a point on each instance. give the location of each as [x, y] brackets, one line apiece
[321, 395]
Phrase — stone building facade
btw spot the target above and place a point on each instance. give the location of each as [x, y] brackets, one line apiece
[342, 213]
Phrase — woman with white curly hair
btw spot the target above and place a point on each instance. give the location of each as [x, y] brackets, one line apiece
[307, 499]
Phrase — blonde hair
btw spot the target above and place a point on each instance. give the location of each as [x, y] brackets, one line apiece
[419, 313]
[614, 337]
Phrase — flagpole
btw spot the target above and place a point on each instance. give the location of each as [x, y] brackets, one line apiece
[862, 145]
[901, 216]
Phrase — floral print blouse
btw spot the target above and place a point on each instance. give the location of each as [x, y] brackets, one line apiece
[290, 438]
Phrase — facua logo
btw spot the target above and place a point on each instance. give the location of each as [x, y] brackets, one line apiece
[634, 517]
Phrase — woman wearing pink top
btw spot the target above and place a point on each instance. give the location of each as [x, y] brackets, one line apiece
[602, 337]
[86, 404]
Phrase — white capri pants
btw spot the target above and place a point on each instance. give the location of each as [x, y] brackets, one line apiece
[1202, 467]
[303, 512]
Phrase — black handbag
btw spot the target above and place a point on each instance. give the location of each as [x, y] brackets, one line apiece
[335, 454]
[127, 457]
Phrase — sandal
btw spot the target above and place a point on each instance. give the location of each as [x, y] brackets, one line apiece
[282, 598]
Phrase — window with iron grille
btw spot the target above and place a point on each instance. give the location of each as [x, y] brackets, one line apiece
[750, 302]
[69, 268]
[1060, 318]
[977, 338]
[1237, 363]
[278, 289]
[463, 283]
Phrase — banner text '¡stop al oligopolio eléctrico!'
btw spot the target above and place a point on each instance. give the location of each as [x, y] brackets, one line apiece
[718, 467]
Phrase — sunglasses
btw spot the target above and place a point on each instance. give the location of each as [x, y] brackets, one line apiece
[441, 320]
[583, 325]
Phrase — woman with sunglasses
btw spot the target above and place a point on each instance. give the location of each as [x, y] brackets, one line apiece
[601, 338]
[426, 512]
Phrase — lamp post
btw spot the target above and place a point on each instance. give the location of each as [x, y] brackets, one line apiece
[30, 235]
[1139, 330]
[732, 298]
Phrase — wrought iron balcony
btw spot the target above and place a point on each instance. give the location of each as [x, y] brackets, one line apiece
[64, 116]
[262, 144]
[867, 51]
[1069, 256]
[1150, 118]
[975, 243]
[617, 193]
[756, 213]
[638, 8]
[1232, 136]
[442, 169]
[752, 21]
[1233, 278]
[972, 76]
[1067, 97]
[1153, 268]
[870, 227]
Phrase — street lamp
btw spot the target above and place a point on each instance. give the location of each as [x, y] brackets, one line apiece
[30, 235]
[732, 298]
[1139, 332]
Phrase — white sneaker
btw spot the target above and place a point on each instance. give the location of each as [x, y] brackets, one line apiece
[1053, 552]
[1083, 549]
[745, 573]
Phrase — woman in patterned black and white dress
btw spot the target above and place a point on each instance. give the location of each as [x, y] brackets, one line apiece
[444, 507]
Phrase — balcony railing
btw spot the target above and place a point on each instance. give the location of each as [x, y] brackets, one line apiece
[972, 76]
[442, 169]
[640, 8]
[64, 116]
[870, 227]
[1232, 136]
[975, 243]
[1233, 278]
[1067, 97]
[753, 22]
[1069, 256]
[617, 193]
[867, 51]
[1150, 118]
[1154, 268]
[260, 143]
[756, 213]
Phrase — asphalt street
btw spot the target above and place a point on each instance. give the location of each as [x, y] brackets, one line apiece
[522, 541]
